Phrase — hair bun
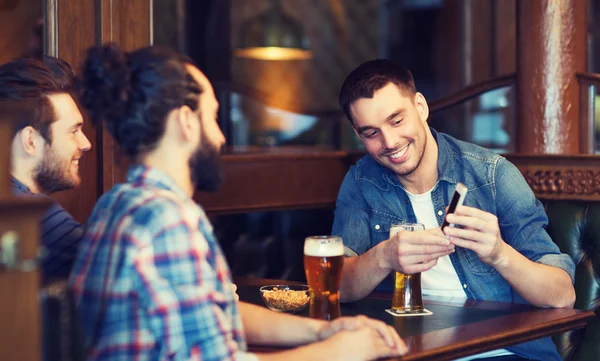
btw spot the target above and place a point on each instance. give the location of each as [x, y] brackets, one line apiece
[106, 84]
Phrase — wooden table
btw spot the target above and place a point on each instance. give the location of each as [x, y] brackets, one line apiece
[456, 328]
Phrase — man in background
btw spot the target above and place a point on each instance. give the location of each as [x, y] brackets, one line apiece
[46, 150]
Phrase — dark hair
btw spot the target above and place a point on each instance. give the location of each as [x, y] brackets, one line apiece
[32, 81]
[133, 92]
[371, 76]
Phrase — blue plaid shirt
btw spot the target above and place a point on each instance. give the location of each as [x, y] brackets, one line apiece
[150, 280]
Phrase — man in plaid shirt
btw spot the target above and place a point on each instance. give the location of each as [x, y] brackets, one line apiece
[150, 281]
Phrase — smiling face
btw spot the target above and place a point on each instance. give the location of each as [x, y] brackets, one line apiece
[58, 169]
[393, 127]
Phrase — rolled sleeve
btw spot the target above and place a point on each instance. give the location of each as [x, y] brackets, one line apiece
[562, 261]
[523, 221]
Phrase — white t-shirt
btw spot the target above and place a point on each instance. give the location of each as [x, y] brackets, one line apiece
[442, 280]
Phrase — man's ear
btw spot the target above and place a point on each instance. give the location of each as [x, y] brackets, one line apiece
[187, 122]
[28, 140]
[422, 107]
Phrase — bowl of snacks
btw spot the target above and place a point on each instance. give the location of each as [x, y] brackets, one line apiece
[285, 298]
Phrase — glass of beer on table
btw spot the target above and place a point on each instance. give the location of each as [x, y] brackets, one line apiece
[323, 262]
[407, 288]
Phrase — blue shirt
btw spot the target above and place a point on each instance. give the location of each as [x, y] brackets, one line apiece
[60, 233]
[150, 281]
[371, 198]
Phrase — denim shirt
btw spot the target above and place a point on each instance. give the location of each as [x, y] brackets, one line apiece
[371, 198]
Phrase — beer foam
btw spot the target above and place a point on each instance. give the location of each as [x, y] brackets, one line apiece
[323, 247]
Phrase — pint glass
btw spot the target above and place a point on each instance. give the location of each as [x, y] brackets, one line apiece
[323, 262]
[407, 289]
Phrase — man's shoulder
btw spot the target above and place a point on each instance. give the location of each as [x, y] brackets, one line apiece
[18, 188]
[471, 164]
[144, 205]
[468, 151]
[54, 214]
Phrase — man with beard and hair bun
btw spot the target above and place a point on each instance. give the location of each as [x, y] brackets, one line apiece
[46, 149]
[150, 281]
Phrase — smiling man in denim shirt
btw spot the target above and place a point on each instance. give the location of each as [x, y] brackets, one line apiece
[501, 252]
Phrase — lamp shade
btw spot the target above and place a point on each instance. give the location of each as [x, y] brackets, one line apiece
[273, 36]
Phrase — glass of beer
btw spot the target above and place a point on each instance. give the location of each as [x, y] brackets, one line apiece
[407, 289]
[323, 262]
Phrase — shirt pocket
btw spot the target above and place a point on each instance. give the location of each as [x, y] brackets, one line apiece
[477, 267]
[379, 226]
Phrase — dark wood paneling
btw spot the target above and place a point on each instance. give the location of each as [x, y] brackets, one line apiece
[302, 179]
[75, 33]
[17, 22]
[126, 23]
[6, 131]
[131, 23]
[277, 180]
[506, 37]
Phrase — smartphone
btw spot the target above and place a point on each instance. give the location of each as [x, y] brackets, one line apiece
[460, 192]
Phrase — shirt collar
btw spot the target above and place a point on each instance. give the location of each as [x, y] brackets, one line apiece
[141, 175]
[448, 158]
[20, 186]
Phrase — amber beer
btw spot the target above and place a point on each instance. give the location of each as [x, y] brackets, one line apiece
[323, 262]
[407, 289]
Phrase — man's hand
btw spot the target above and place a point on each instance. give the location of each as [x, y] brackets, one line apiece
[481, 234]
[358, 345]
[414, 252]
[387, 333]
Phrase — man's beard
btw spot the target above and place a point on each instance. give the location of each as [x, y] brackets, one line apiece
[54, 174]
[205, 167]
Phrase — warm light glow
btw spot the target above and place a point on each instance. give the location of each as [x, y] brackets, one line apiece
[273, 53]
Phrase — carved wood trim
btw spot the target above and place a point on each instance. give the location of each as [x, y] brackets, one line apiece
[265, 180]
[574, 177]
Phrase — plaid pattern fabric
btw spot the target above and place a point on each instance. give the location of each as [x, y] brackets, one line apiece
[150, 281]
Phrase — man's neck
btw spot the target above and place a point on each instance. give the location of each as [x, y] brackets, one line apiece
[425, 176]
[178, 170]
[27, 180]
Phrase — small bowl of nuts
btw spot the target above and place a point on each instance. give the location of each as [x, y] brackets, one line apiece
[285, 298]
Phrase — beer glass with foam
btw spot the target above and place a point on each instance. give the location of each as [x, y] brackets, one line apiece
[407, 288]
[323, 262]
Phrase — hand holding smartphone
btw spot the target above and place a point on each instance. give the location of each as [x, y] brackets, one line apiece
[460, 192]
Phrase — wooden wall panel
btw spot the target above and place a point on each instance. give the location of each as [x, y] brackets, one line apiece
[81, 24]
[126, 23]
[16, 26]
[75, 33]
[280, 179]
